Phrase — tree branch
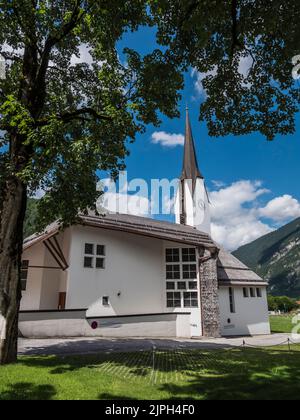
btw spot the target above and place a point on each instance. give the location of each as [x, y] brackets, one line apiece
[79, 114]
[234, 29]
[50, 43]
[10, 56]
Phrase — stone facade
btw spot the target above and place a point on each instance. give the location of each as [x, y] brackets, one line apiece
[209, 291]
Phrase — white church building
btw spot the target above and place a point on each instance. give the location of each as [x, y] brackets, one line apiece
[126, 276]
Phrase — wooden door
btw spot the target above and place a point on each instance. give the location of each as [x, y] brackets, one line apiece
[62, 301]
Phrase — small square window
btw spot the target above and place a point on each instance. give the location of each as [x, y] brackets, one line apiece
[173, 300]
[189, 271]
[88, 262]
[188, 254]
[173, 272]
[172, 255]
[181, 285]
[170, 285]
[89, 249]
[105, 301]
[193, 285]
[101, 250]
[190, 299]
[252, 292]
[100, 263]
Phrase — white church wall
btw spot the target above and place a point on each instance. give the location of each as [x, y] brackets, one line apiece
[197, 206]
[132, 278]
[202, 216]
[32, 296]
[251, 314]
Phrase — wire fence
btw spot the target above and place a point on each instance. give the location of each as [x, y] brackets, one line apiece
[289, 342]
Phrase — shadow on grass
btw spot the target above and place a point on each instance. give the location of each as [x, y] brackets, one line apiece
[264, 374]
[28, 391]
[111, 397]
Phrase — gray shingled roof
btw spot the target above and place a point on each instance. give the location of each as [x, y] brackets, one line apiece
[233, 271]
[230, 269]
[136, 225]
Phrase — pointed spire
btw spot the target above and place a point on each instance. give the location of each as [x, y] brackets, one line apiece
[190, 163]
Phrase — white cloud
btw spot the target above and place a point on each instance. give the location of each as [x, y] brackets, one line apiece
[238, 216]
[198, 80]
[84, 56]
[281, 209]
[167, 139]
[218, 184]
[235, 221]
[245, 65]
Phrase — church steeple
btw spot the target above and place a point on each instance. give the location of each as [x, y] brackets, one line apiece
[190, 169]
[192, 205]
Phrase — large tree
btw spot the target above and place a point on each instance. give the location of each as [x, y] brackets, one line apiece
[62, 120]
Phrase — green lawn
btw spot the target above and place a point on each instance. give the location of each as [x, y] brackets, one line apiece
[282, 324]
[219, 374]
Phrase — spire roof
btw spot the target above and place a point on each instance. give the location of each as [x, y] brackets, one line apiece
[190, 164]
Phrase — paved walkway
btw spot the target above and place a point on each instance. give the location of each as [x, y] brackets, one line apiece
[108, 345]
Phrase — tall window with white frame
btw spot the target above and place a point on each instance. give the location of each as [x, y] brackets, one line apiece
[24, 275]
[231, 300]
[94, 256]
[181, 276]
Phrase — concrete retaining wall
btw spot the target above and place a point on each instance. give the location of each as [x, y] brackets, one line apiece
[74, 324]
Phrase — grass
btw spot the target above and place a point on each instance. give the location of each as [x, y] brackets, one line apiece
[282, 324]
[205, 375]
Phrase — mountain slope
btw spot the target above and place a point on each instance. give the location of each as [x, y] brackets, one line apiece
[276, 257]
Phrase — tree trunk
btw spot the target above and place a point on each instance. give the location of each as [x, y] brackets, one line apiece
[12, 214]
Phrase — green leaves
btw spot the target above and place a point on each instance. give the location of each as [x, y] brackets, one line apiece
[243, 51]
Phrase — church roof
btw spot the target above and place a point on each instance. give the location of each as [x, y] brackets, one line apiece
[190, 164]
[232, 271]
[135, 225]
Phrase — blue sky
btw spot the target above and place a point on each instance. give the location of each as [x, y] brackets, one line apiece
[251, 180]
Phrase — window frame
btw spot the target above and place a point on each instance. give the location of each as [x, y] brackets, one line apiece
[174, 296]
[99, 254]
[188, 274]
[193, 297]
[185, 273]
[187, 256]
[24, 270]
[259, 292]
[232, 300]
